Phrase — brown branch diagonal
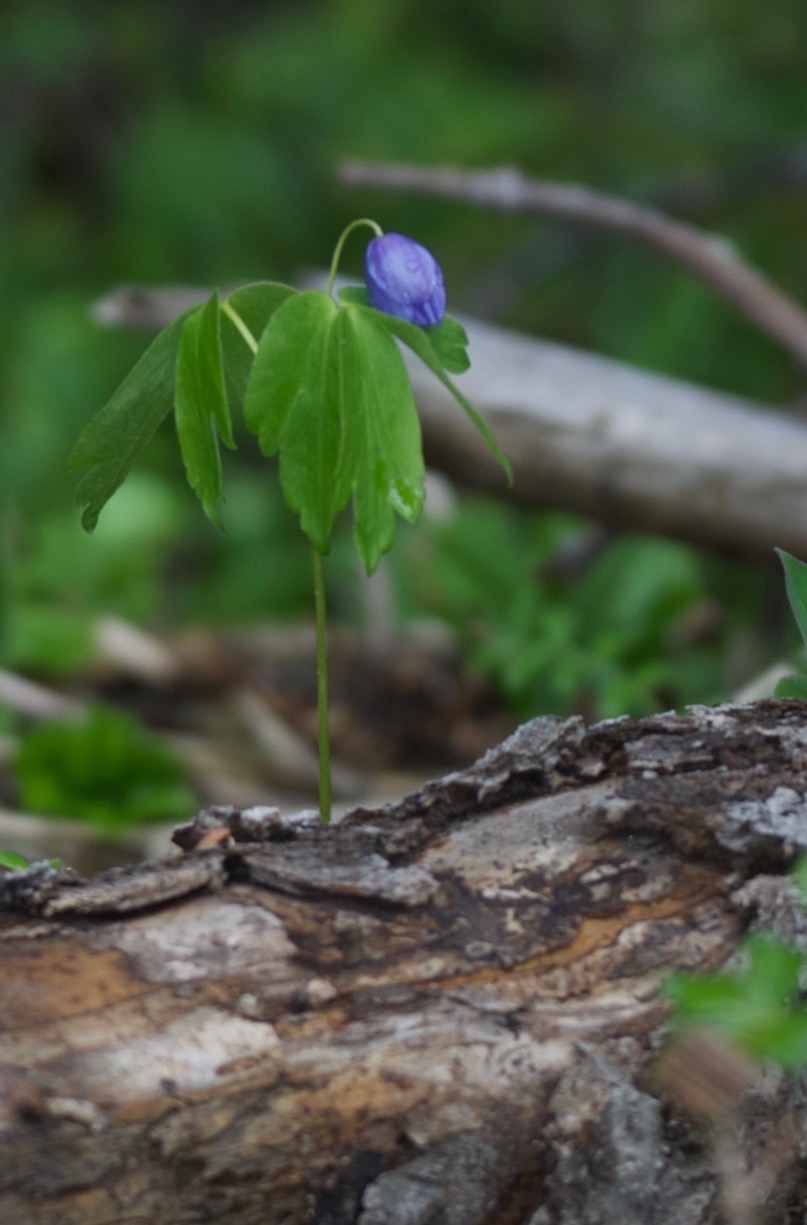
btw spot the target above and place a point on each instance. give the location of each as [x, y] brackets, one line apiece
[710, 257]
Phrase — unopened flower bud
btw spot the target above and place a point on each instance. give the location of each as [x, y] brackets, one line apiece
[405, 280]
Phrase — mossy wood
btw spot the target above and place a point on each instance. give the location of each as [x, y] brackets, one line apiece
[444, 1011]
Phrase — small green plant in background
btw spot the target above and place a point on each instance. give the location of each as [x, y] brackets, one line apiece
[105, 768]
[796, 587]
[10, 859]
[758, 1007]
[321, 382]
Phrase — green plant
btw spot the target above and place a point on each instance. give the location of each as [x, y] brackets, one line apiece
[10, 859]
[104, 768]
[796, 587]
[608, 637]
[758, 1006]
[321, 383]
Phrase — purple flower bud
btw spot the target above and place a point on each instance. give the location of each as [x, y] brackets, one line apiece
[404, 279]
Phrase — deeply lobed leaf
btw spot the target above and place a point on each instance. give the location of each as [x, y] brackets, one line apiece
[293, 405]
[441, 348]
[116, 435]
[113, 439]
[202, 410]
[329, 391]
[382, 463]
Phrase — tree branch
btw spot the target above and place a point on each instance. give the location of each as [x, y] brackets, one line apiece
[709, 257]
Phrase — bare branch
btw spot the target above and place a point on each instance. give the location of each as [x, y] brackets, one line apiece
[709, 257]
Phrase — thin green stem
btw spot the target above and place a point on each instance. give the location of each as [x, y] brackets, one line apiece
[234, 317]
[337, 255]
[322, 691]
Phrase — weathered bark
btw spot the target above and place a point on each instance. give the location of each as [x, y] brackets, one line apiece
[446, 1011]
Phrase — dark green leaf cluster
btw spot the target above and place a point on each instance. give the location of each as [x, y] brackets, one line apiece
[608, 638]
[758, 1007]
[324, 385]
[105, 768]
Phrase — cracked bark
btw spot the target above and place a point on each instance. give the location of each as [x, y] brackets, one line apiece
[444, 1012]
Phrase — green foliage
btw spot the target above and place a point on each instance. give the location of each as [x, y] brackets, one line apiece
[106, 769]
[10, 859]
[202, 410]
[114, 438]
[610, 640]
[441, 348]
[758, 1006]
[120, 168]
[796, 588]
[328, 390]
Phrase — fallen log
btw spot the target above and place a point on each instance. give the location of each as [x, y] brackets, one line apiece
[444, 1011]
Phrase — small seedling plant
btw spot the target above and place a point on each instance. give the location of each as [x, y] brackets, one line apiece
[761, 1005]
[321, 383]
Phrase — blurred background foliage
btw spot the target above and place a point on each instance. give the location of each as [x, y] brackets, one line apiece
[197, 143]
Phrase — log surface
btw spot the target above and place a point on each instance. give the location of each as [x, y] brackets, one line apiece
[445, 1012]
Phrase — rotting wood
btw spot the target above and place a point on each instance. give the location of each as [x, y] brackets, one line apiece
[444, 1011]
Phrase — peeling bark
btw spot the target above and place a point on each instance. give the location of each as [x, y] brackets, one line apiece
[443, 1012]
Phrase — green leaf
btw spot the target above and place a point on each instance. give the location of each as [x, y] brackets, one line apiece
[782, 1037]
[774, 972]
[202, 411]
[796, 587]
[106, 768]
[255, 304]
[329, 391]
[419, 341]
[293, 404]
[792, 687]
[382, 463]
[111, 441]
[756, 1006]
[10, 859]
[448, 338]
